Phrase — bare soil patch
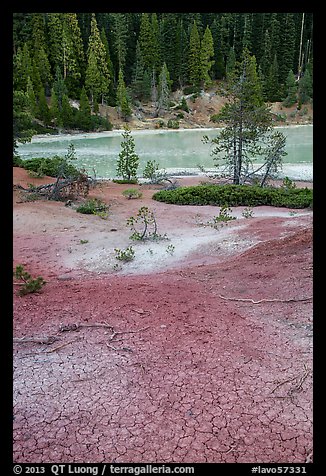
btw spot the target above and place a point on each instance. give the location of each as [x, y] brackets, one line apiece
[201, 355]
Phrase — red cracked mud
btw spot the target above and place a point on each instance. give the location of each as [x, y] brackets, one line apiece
[189, 369]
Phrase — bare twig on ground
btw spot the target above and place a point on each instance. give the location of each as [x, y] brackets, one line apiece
[121, 349]
[48, 340]
[76, 327]
[265, 300]
[300, 380]
[60, 346]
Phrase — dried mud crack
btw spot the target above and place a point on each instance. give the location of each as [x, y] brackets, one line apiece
[156, 365]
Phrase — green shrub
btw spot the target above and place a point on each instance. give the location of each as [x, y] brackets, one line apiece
[125, 181]
[50, 166]
[125, 255]
[132, 193]
[29, 285]
[173, 124]
[93, 206]
[237, 195]
[191, 90]
[214, 118]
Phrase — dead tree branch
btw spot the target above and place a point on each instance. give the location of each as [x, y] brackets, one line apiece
[265, 300]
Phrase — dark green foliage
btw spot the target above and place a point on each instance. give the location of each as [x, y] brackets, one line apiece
[237, 195]
[173, 124]
[51, 167]
[128, 161]
[29, 285]
[92, 207]
[65, 52]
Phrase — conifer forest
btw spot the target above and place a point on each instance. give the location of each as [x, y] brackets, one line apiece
[119, 59]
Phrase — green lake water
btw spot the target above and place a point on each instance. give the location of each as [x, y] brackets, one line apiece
[175, 151]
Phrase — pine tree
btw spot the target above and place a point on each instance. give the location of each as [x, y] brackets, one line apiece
[247, 32]
[84, 113]
[138, 74]
[111, 96]
[55, 110]
[305, 92]
[164, 89]
[31, 98]
[156, 47]
[247, 121]
[122, 98]
[77, 43]
[66, 112]
[146, 42]
[22, 119]
[97, 73]
[42, 111]
[119, 32]
[218, 66]
[180, 54]
[149, 42]
[287, 45]
[206, 55]
[194, 58]
[168, 45]
[55, 27]
[271, 85]
[230, 64]
[42, 69]
[59, 87]
[22, 68]
[38, 36]
[291, 90]
[128, 161]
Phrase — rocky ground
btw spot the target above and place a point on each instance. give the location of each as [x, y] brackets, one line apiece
[200, 354]
[201, 110]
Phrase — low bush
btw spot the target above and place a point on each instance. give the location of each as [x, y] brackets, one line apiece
[125, 181]
[132, 193]
[29, 284]
[237, 195]
[93, 206]
[173, 124]
[50, 166]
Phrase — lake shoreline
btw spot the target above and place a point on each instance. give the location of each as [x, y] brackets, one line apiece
[147, 130]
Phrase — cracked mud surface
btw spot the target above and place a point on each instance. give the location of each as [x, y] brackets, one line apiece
[188, 368]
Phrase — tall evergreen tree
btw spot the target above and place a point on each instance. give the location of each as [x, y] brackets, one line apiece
[206, 54]
[42, 69]
[54, 109]
[180, 55]
[168, 45]
[291, 90]
[194, 58]
[119, 33]
[42, 110]
[230, 64]
[111, 97]
[146, 41]
[247, 121]
[97, 73]
[22, 119]
[31, 98]
[305, 88]
[271, 87]
[164, 89]
[247, 32]
[287, 44]
[55, 27]
[84, 113]
[123, 104]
